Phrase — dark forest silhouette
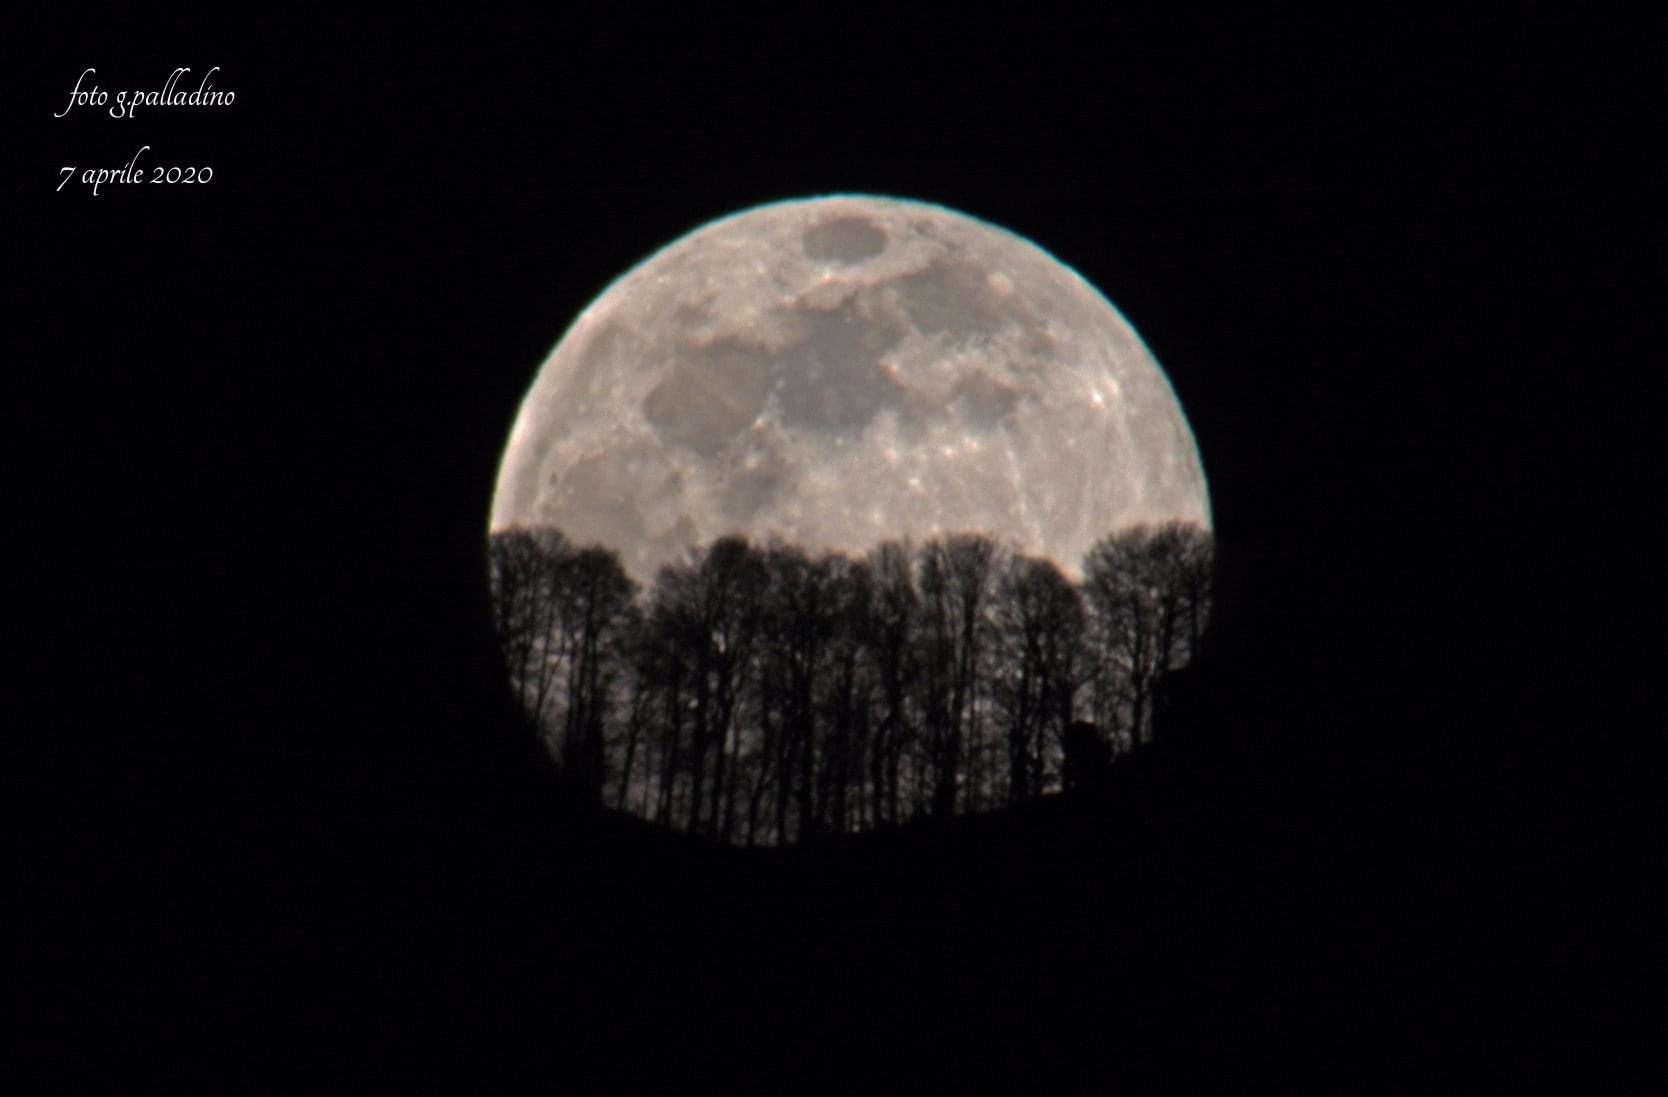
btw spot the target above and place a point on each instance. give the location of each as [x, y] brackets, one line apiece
[763, 695]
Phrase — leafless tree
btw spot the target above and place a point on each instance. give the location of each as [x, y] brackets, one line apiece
[893, 620]
[762, 694]
[800, 617]
[598, 597]
[1039, 619]
[847, 702]
[709, 614]
[957, 578]
[1087, 755]
[525, 573]
[559, 613]
[1147, 589]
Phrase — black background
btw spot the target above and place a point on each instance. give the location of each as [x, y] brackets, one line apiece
[283, 838]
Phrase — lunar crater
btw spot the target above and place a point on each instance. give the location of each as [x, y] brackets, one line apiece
[982, 401]
[844, 240]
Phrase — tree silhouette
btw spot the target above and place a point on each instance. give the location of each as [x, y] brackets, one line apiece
[642, 664]
[709, 614]
[1040, 621]
[1087, 755]
[1148, 593]
[894, 611]
[767, 695]
[957, 578]
[798, 617]
[847, 702]
[524, 570]
[597, 597]
[559, 614]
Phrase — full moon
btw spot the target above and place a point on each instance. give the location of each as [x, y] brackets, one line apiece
[843, 371]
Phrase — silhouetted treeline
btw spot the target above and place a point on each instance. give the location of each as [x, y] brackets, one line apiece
[761, 695]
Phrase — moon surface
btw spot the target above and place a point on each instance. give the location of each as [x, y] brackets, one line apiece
[839, 372]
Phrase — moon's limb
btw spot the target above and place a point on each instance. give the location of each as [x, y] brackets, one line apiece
[841, 371]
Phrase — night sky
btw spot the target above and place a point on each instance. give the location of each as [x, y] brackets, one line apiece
[282, 820]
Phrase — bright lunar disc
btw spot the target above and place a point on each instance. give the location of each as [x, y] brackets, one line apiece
[843, 371]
